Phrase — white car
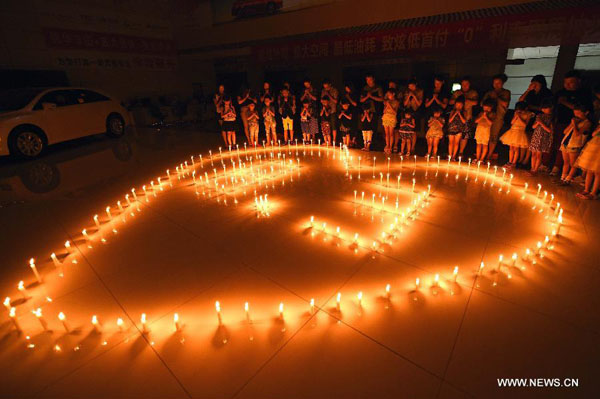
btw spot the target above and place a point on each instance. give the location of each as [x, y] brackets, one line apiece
[31, 119]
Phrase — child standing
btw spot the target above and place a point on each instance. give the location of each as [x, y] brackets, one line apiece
[435, 130]
[458, 126]
[253, 124]
[541, 140]
[515, 137]
[325, 120]
[572, 143]
[308, 122]
[287, 110]
[407, 131]
[589, 161]
[229, 117]
[484, 124]
[269, 120]
[390, 110]
[345, 117]
[367, 125]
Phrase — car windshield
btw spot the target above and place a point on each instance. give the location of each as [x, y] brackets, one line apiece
[12, 100]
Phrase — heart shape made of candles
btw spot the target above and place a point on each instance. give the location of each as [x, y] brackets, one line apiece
[391, 196]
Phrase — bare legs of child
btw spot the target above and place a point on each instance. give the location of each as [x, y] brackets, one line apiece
[367, 136]
[231, 139]
[396, 140]
[389, 138]
[592, 185]
[536, 160]
[482, 150]
[253, 135]
[432, 146]
[454, 141]
[406, 145]
[568, 170]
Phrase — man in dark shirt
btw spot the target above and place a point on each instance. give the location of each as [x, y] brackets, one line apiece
[566, 99]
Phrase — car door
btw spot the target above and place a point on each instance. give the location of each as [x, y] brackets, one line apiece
[56, 114]
[94, 109]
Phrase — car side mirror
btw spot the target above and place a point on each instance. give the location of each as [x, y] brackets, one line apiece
[47, 106]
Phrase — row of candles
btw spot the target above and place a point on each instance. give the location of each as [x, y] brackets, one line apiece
[182, 170]
[261, 204]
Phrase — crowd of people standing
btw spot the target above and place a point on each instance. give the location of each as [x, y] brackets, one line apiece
[549, 132]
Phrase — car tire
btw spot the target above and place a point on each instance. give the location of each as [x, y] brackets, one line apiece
[39, 177]
[115, 125]
[27, 142]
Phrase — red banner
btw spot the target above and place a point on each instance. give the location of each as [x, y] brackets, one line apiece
[539, 29]
[106, 42]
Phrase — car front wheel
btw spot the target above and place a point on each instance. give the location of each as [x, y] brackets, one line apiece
[27, 143]
[115, 125]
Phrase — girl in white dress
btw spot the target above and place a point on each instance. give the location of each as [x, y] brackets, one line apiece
[515, 137]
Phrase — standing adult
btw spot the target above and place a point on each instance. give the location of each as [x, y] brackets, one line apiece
[333, 94]
[413, 99]
[266, 91]
[218, 102]
[536, 92]
[438, 96]
[371, 93]
[571, 95]
[471, 100]
[244, 99]
[501, 97]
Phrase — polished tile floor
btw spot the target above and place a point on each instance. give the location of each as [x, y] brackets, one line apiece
[329, 314]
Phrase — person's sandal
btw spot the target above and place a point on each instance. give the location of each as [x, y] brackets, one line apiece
[584, 195]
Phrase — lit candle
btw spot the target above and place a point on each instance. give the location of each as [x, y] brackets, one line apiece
[135, 195]
[23, 290]
[63, 319]
[281, 310]
[120, 324]
[96, 221]
[40, 317]
[556, 209]
[176, 322]
[387, 291]
[312, 221]
[354, 196]
[539, 248]
[481, 266]
[338, 299]
[13, 316]
[417, 281]
[500, 259]
[359, 296]
[312, 305]
[144, 326]
[68, 246]
[218, 309]
[127, 199]
[436, 280]
[559, 224]
[527, 254]
[538, 191]
[247, 311]
[7, 302]
[34, 270]
[413, 186]
[96, 324]
[108, 213]
[514, 259]
[455, 273]
[85, 234]
[374, 158]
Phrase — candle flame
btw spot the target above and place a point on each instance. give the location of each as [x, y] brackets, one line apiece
[61, 316]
